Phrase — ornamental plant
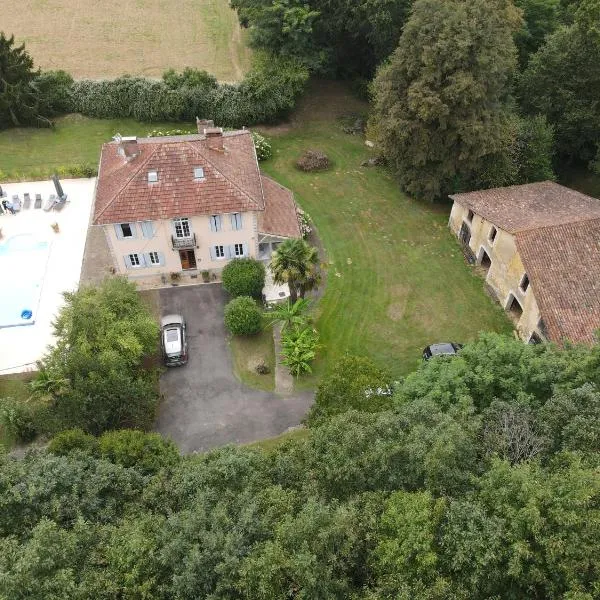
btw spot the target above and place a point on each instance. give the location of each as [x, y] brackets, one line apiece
[300, 347]
[242, 316]
[263, 146]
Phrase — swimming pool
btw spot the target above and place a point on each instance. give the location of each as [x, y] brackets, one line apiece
[23, 260]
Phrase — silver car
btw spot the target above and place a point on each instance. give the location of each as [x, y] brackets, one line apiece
[173, 340]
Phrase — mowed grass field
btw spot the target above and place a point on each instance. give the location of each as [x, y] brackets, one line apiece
[106, 38]
[396, 278]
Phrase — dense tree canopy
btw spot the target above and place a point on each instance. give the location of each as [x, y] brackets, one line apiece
[440, 104]
[562, 81]
[424, 499]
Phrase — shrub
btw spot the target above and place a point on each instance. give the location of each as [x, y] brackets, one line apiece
[56, 90]
[73, 440]
[354, 383]
[313, 160]
[244, 277]
[263, 147]
[147, 452]
[305, 222]
[299, 349]
[19, 418]
[242, 316]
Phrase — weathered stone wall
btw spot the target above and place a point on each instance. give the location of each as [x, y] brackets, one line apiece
[506, 271]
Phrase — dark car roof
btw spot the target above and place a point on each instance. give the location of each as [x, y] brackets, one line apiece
[443, 348]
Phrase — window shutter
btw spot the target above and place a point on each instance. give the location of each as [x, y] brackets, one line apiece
[230, 251]
[245, 249]
[161, 259]
[119, 231]
[146, 259]
[133, 229]
[219, 223]
[148, 229]
[213, 254]
[143, 261]
[211, 222]
[127, 261]
[239, 220]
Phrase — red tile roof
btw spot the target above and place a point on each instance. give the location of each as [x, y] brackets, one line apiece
[563, 266]
[530, 206]
[280, 216]
[232, 181]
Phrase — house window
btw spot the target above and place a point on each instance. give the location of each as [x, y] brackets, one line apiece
[464, 234]
[152, 176]
[535, 338]
[492, 236]
[215, 222]
[238, 249]
[134, 260]
[198, 173]
[182, 227]
[524, 283]
[470, 216]
[154, 258]
[236, 221]
[126, 230]
[219, 251]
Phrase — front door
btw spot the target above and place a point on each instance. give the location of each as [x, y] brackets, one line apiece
[188, 259]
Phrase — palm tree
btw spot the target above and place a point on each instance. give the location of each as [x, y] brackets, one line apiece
[295, 262]
[288, 314]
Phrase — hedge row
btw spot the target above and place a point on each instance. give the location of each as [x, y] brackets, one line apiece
[268, 93]
[75, 171]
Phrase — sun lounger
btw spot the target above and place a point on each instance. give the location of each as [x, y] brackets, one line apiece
[38, 201]
[16, 203]
[26, 201]
[60, 204]
[50, 203]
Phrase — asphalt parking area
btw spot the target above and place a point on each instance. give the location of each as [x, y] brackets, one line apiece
[204, 405]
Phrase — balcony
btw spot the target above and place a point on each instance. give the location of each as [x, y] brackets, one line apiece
[183, 243]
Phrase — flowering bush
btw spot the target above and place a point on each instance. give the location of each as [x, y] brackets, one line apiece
[305, 222]
[167, 132]
[262, 145]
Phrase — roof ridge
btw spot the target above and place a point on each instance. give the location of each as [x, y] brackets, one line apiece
[235, 185]
[127, 182]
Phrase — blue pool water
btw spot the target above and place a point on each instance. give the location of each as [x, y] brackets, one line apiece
[23, 260]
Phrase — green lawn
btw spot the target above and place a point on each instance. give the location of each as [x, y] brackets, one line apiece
[27, 153]
[396, 279]
[247, 352]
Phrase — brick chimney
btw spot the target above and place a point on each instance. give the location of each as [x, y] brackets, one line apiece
[129, 147]
[203, 124]
[214, 137]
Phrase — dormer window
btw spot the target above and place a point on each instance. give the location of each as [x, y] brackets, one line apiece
[492, 236]
[152, 176]
[524, 283]
[198, 173]
[470, 215]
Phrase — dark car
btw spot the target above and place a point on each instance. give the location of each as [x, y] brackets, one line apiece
[173, 340]
[442, 349]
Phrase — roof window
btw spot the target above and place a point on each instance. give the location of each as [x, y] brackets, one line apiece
[152, 176]
[198, 173]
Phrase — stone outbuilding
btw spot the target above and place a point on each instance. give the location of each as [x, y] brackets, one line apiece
[538, 245]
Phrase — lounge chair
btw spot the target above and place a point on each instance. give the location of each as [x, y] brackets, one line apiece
[60, 204]
[50, 202]
[38, 201]
[16, 203]
[26, 201]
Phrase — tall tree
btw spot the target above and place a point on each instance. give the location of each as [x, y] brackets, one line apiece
[541, 17]
[562, 81]
[440, 103]
[296, 263]
[20, 96]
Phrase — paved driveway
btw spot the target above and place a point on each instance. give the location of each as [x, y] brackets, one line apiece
[204, 405]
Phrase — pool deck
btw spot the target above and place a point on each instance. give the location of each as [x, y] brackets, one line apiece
[22, 346]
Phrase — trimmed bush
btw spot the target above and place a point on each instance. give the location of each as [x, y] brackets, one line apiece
[242, 316]
[244, 277]
[73, 440]
[313, 160]
[147, 452]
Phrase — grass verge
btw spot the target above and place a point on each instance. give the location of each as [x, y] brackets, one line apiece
[273, 443]
[247, 352]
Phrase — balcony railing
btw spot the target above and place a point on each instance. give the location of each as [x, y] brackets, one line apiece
[181, 243]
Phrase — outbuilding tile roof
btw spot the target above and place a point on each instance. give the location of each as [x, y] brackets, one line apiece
[280, 216]
[530, 206]
[231, 183]
[563, 266]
